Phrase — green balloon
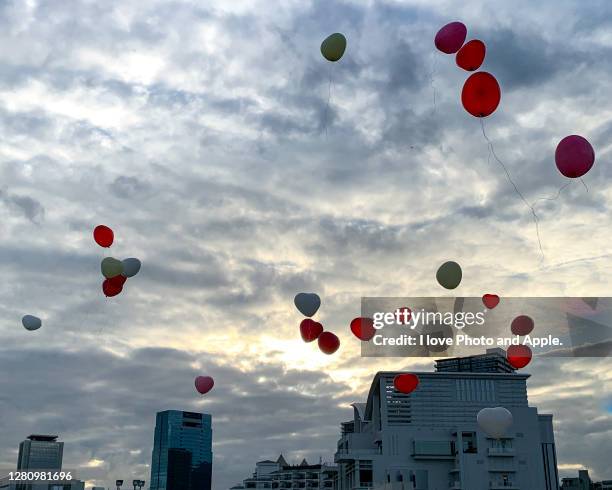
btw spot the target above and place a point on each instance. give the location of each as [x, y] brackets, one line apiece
[111, 267]
[449, 275]
[332, 48]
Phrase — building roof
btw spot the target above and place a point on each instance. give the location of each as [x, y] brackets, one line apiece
[492, 361]
[360, 407]
[40, 437]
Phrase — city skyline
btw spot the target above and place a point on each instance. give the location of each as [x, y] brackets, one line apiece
[208, 136]
[171, 424]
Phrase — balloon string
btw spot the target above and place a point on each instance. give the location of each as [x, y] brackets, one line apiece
[577, 261]
[432, 80]
[516, 189]
[328, 100]
[434, 92]
[561, 189]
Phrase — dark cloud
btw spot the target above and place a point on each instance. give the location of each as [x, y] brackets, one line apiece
[25, 205]
[128, 186]
[519, 58]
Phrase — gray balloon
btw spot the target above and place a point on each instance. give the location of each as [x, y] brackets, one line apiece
[131, 267]
[449, 275]
[307, 303]
[31, 322]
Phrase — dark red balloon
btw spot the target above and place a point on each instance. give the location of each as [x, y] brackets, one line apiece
[114, 285]
[481, 94]
[406, 383]
[103, 236]
[490, 300]
[574, 156]
[110, 289]
[471, 55]
[310, 330]
[451, 37]
[404, 318]
[363, 328]
[519, 355]
[328, 343]
[522, 325]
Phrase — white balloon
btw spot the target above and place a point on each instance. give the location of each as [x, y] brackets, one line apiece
[494, 421]
[31, 322]
[131, 267]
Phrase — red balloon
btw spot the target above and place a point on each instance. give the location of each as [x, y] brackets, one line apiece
[522, 325]
[114, 285]
[404, 318]
[363, 328]
[451, 37]
[103, 236]
[481, 94]
[574, 156]
[406, 383]
[328, 343]
[204, 384]
[310, 330]
[490, 300]
[119, 280]
[471, 55]
[519, 355]
[111, 288]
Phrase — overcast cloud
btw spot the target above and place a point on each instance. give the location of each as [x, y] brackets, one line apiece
[201, 133]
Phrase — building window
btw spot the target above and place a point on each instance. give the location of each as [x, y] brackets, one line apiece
[501, 444]
[469, 442]
[471, 390]
[365, 473]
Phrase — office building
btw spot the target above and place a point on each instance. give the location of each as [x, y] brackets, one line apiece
[182, 451]
[429, 439]
[280, 474]
[36, 453]
[40, 452]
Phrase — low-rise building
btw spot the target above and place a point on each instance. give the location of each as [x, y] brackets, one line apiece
[279, 474]
[584, 482]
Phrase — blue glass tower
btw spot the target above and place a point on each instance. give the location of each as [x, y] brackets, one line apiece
[182, 451]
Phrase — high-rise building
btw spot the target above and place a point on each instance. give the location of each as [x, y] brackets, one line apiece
[182, 451]
[36, 453]
[39, 452]
[429, 439]
[281, 475]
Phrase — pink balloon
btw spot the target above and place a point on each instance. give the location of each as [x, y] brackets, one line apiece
[574, 156]
[451, 37]
[204, 384]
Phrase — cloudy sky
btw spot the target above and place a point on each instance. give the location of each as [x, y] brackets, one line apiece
[199, 131]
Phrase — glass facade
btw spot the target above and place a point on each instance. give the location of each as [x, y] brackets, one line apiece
[40, 453]
[182, 451]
